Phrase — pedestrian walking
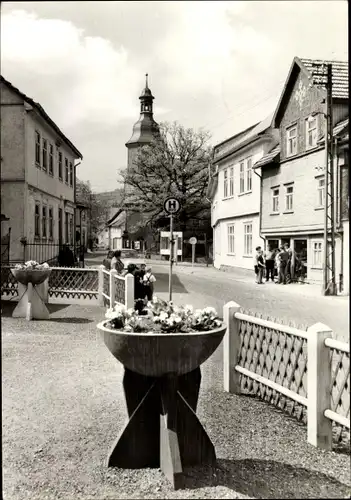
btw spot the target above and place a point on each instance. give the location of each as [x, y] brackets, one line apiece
[116, 262]
[259, 265]
[269, 255]
[148, 282]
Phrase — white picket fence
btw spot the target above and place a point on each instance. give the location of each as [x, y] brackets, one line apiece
[279, 363]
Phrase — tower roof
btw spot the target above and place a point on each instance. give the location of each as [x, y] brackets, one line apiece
[146, 92]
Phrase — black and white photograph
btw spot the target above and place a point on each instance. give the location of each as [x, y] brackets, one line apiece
[175, 254]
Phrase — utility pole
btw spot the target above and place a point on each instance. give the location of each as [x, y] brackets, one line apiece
[322, 75]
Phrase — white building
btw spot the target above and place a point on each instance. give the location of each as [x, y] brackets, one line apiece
[235, 193]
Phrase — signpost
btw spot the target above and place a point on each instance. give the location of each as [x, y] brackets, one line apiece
[172, 207]
[193, 242]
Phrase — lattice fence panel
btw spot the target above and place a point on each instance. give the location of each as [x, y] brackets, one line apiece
[9, 285]
[120, 285]
[279, 357]
[106, 283]
[340, 390]
[73, 282]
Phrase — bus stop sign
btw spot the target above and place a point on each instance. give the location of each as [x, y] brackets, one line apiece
[171, 206]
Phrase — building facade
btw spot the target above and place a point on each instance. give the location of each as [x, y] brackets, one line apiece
[235, 193]
[38, 172]
[293, 184]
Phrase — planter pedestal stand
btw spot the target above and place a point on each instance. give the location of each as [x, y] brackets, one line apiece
[31, 305]
[163, 429]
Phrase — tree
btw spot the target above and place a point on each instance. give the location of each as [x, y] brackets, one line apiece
[175, 164]
[97, 209]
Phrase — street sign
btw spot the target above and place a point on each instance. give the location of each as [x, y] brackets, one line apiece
[193, 241]
[171, 206]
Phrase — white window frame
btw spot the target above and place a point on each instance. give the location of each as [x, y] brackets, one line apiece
[225, 183]
[317, 262]
[71, 174]
[320, 189]
[231, 181]
[45, 155]
[231, 239]
[275, 200]
[242, 177]
[37, 148]
[291, 141]
[249, 175]
[289, 198]
[60, 166]
[248, 239]
[37, 220]
[44, 218]
[51, 159]
[311, 132]
[66, 171]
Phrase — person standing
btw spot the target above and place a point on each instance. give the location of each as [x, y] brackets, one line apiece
[116, 262]
[269, 261]
[107, 260]
[148, 282]
[283, 259]
[259, 265]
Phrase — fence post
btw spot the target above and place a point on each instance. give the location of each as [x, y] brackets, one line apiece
[129, 291]
[100, 285]
[113, 273]
[319, 428]
[231, 348]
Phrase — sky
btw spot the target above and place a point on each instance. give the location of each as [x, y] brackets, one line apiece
[214, 65]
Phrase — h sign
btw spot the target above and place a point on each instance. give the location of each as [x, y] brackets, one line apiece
[171, 205]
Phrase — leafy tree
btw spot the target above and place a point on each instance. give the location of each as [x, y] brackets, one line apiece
[97, 209]
[175, 164]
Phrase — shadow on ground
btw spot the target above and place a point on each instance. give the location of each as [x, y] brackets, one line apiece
[266, 479]
[161, 284]
[8, 306]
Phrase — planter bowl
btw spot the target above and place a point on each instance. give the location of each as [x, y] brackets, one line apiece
[156, 354]
[34, 276]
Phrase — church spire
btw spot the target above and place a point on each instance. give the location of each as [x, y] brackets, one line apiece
[146, 98]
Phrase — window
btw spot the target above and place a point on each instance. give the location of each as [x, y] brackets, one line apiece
[275, 200]
[60, 166]
[317, 254]
[37, 220]
[249, 174]
[37, 148]
[70, 174]
[231, 181]
[45, 155]
[289, 198]
[51, 223]
[71, 228]
[311, 132]
[66, 170]
[320, 192]
[51, 159]
[43, 222]
[242, 178]
[248, 239]
[231, 246]
[291, 141]
[225, 183]
[66, 227]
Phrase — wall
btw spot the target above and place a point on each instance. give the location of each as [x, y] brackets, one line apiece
[12, 205]
[302, 172]
[238, 259]
[12, 135]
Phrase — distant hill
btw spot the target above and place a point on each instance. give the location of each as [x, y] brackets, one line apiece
[111, 198]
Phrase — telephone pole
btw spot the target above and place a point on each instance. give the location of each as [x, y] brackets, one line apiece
[322, 76]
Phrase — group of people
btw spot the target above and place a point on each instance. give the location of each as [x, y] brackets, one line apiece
[280, 261]
[143, 278]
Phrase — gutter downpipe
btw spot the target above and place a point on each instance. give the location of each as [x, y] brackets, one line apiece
[260, 217]
[338, 215]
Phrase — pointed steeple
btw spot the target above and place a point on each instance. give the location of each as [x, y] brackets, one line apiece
[145, 128]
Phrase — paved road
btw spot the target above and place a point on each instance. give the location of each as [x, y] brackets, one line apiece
[300, 304]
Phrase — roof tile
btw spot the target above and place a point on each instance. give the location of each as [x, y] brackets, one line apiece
[340, 76]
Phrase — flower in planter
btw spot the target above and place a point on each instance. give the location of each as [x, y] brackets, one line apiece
[32, 265]
[163, 317]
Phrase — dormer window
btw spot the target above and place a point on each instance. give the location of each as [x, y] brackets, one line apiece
[291, 141]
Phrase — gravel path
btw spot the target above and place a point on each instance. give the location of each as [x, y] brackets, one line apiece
[63, 406]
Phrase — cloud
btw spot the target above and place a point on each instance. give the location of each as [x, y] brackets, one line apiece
[92, 80]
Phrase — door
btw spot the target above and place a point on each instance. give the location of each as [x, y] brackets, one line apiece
[300, 247]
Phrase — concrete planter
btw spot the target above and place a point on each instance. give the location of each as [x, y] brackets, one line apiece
[34, 276]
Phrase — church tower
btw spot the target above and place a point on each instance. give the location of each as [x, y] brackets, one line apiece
[145, 129]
